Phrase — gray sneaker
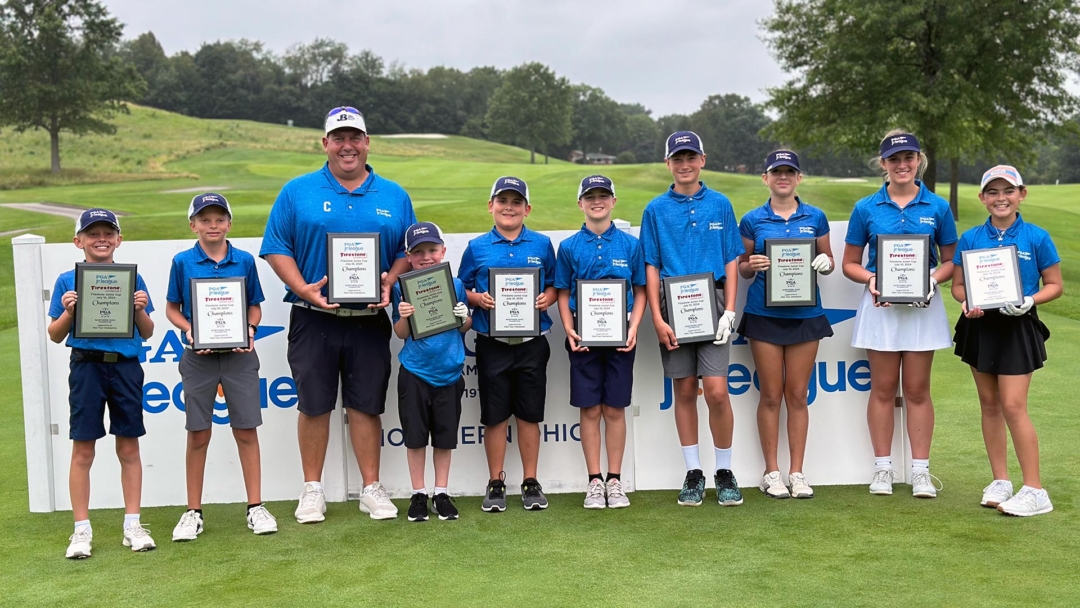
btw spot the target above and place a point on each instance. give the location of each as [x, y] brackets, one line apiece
[532, 495]
[495, 499]
[594, 495]
[616, 498]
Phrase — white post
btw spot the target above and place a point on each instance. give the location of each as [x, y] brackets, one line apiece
[30, 300]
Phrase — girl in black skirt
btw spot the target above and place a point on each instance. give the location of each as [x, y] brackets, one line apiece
[1004, 346]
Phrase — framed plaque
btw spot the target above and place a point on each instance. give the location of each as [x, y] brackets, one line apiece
[903, 268]
[601, 312]
[690, 303]
[219, 319]
[431, 292]
[992, 278]
[790, 281]
[106, 305]
[353, 268]
[515, 291]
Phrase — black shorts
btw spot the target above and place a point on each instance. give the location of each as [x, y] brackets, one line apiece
[325, 347]
[784, 331]
[512, 379]
[1002, 345]
[93, 385]
[428, 411]
[601, 375]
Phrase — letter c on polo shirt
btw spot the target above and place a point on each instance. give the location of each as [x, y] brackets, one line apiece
[326, 206]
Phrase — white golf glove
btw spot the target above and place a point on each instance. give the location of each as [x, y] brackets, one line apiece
[929, 295]
[1016, 311]
[821, 263]
[724, 328]
[461, 310]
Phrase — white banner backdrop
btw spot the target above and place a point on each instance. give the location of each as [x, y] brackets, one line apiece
[838, 450]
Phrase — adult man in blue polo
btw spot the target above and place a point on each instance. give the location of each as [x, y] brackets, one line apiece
[329, 343]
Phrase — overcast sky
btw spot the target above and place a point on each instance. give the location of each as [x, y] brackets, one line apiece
[668, 56]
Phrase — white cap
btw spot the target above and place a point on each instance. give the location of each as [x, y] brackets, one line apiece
[345, 116]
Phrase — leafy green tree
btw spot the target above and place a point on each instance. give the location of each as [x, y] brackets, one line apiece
[59, 71]
[533, 107]
[982, 77]
[599, 123]
[640, 138]
[729, 126]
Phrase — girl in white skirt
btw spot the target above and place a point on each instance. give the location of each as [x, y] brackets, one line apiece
[900, 340]
[1004, 346]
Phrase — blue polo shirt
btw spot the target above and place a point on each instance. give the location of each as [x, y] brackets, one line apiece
[439, 359]
[125, 347]
[1034, 249]
[683, 235]
[311, 205]
[876, 214]
[493, 250]
[611, 255]
[762, 223]
[195, 264]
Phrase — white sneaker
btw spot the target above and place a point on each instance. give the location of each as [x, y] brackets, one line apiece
[190, 526]
[773, 486]
[260, 520]
[922, 485]
[1027, 502]
[312, 505]
[882, 482]
[138, 538]
[80, 543]
[594, 495]
[376, 503]
[996, 493]
[616, 498]
[799, 487]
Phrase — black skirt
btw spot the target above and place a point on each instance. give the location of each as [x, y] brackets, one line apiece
[784, 331]
[1001, 344]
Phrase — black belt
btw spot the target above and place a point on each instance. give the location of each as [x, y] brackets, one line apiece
[97, 356]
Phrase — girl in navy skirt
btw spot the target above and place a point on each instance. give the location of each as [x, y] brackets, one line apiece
[783, 340]
[1004, 346]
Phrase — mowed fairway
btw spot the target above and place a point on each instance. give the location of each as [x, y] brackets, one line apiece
[844, 548]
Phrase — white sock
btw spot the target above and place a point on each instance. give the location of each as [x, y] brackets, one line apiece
[84, 524]
[1036, 490]
[920, 466]
[439, 490]
[691, 457]
[420, 491]
[130, 520]
[723, 457]
[317, 485]
[882, 463]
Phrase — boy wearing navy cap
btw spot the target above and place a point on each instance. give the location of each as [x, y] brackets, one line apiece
[236, 371]
[511, 372]
[687, 230]
[429, 381]
[104, 372]
[601, 378]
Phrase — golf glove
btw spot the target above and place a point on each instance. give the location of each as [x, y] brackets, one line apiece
[821, 263]
[725, 327]
[1015, 311]
[461, 310]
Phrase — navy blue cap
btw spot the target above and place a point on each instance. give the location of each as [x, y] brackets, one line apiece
[682, 140]
[93, 216]
[782, 158]
[595, 181]
[507, 182]
[422, 232]
[903, 142]
[210, 199]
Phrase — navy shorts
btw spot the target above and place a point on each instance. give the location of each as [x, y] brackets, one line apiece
[94, 385]
[428, 411]
[603, 375]
[325, 348]
[512, 379]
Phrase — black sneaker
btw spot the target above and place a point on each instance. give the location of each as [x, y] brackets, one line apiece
[444, 506]
[495, 500]
[727, 489]
[418, 509]
[532, 495]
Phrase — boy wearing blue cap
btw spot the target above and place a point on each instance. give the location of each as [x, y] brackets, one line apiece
[601, 378]
[511, 372]
[236, 371]
[104, 372]
[429, 381]
[691, 229]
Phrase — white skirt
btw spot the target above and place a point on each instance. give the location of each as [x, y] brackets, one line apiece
[901, 327]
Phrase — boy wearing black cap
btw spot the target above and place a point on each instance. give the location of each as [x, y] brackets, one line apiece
[104, 371]
[430, 383]
[236, 370]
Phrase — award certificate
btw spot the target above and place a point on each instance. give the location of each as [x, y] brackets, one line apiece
[691, 307]
[515, 291]
[219, 309]
[790, 281]
[106, 305]
[431, 292]
[601, 312]
[903, 268]
[992, 278]
[353, 263]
